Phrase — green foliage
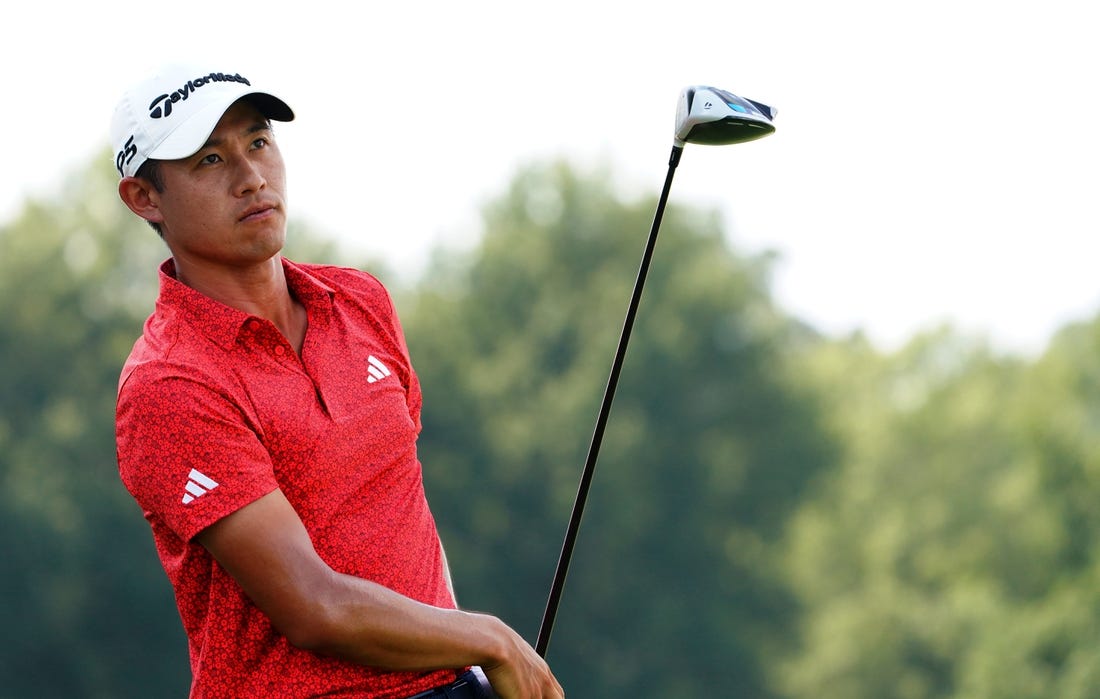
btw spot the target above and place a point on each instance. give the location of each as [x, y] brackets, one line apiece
[87, 606]
[707, 450]
[953, 553]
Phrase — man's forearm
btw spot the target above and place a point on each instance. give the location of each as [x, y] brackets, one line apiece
[365, 623]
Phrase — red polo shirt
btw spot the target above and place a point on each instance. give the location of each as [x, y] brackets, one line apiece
[216, 409]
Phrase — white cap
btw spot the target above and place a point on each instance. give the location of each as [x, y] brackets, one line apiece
[170, 115]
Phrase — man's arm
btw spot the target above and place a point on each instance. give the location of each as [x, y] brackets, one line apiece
[266, 548]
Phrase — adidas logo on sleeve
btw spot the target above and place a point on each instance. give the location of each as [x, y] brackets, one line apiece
[198, 484]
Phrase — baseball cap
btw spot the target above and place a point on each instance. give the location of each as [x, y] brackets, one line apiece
[170, 115]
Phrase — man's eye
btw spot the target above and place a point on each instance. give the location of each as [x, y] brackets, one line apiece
[259, 142]
[211, 159]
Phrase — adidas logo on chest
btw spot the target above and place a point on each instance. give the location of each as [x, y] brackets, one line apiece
[376, 369]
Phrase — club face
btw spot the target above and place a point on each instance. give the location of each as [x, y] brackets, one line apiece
[716, 117]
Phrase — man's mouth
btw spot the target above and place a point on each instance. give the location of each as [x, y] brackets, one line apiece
[253, 213]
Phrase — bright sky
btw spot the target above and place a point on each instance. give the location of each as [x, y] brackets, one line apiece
[934, 161]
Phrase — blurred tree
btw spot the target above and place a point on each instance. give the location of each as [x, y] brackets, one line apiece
[1047, 641]
[674, 590]
[92, 613]
[952, 555]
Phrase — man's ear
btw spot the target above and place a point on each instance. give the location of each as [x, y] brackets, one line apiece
[140, 196]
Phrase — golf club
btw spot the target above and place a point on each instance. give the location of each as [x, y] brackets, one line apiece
[704, 115]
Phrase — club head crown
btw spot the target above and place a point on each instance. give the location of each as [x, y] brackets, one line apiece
[716, 117]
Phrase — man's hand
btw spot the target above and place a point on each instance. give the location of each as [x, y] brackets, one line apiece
[521, 673]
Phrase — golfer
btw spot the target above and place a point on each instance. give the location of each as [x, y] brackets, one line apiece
[266, 425]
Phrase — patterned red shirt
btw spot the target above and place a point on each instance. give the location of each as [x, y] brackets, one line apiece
[216, 409]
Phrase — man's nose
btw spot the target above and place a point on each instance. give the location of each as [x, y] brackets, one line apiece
[249, 177]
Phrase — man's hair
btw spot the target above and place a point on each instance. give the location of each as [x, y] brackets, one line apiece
[150, 171]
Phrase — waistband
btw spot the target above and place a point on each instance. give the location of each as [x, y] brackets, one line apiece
[471, 685]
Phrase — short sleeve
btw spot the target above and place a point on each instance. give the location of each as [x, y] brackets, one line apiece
[187, 452]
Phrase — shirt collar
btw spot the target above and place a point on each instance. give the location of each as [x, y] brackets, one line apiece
[222, 323]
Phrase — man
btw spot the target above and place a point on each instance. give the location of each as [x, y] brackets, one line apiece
[266, 425]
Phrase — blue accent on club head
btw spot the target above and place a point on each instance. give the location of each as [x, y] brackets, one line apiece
[737, 108]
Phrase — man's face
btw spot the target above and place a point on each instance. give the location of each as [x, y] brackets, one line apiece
[225, 205]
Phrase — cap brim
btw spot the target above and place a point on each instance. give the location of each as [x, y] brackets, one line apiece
[187, 138]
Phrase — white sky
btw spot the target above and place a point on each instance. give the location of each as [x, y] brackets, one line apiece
[934, 161]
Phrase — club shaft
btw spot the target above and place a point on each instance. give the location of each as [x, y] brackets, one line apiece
[601, 421]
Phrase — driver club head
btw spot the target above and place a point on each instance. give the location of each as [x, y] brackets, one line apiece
[716, 117]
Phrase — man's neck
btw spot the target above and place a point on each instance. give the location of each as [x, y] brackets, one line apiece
[260, 290]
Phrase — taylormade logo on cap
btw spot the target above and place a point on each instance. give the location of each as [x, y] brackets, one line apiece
[160, 108]
[171, 115]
